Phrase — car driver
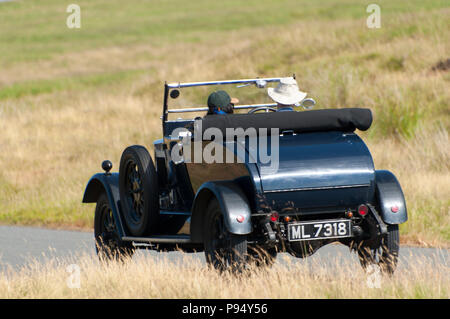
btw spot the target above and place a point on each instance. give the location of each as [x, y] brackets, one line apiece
[219, 102]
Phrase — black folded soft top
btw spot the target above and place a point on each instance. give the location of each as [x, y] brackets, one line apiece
[346, 120]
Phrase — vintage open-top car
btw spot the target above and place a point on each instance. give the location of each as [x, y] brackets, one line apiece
[242, 187]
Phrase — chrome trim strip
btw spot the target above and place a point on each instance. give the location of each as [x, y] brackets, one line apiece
[315, 188]
[159, 239]
[190, 84]
[168, 212]
[236, 107]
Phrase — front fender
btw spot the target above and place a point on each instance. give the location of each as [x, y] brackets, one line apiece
[390, 197]
[109, 184]
[233, 203]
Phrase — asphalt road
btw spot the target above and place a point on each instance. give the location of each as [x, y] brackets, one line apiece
[20, 245]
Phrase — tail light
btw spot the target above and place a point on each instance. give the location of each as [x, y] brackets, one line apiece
[274, 216]
[363, 210]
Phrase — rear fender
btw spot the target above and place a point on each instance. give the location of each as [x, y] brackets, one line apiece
[233, 203]
[108, 184]
[390, 198]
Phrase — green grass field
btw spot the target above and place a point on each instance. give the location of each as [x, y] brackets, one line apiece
[70, 98]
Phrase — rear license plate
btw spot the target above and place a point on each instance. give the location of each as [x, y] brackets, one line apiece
[320, 230]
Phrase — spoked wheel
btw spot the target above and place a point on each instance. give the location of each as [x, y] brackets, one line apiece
[223, 250]
[138, 186]
[107, 242]
[386, 255]
[135, 192]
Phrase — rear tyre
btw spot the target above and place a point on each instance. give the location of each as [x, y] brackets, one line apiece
[107, 242]
[385, 255]
[138, 187]
[262, 257]
[223, 250]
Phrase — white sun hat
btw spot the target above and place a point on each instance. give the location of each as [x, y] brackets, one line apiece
[287, 92]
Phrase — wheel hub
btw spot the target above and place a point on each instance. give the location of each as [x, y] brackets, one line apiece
[136, 191]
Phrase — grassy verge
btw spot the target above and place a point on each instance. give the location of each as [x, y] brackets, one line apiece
[148, 277]
[71, 98]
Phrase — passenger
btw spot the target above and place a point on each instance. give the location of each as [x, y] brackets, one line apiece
[219, 102]
[286, 94]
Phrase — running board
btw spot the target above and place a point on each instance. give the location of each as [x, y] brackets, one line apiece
[174, 239]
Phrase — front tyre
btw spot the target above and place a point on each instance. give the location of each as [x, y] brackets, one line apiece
[139, 194]
[107, 242]
[385, 255]
[223, 250]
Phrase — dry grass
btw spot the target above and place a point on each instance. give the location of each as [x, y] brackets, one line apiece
[149, 277]
[62, 114]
